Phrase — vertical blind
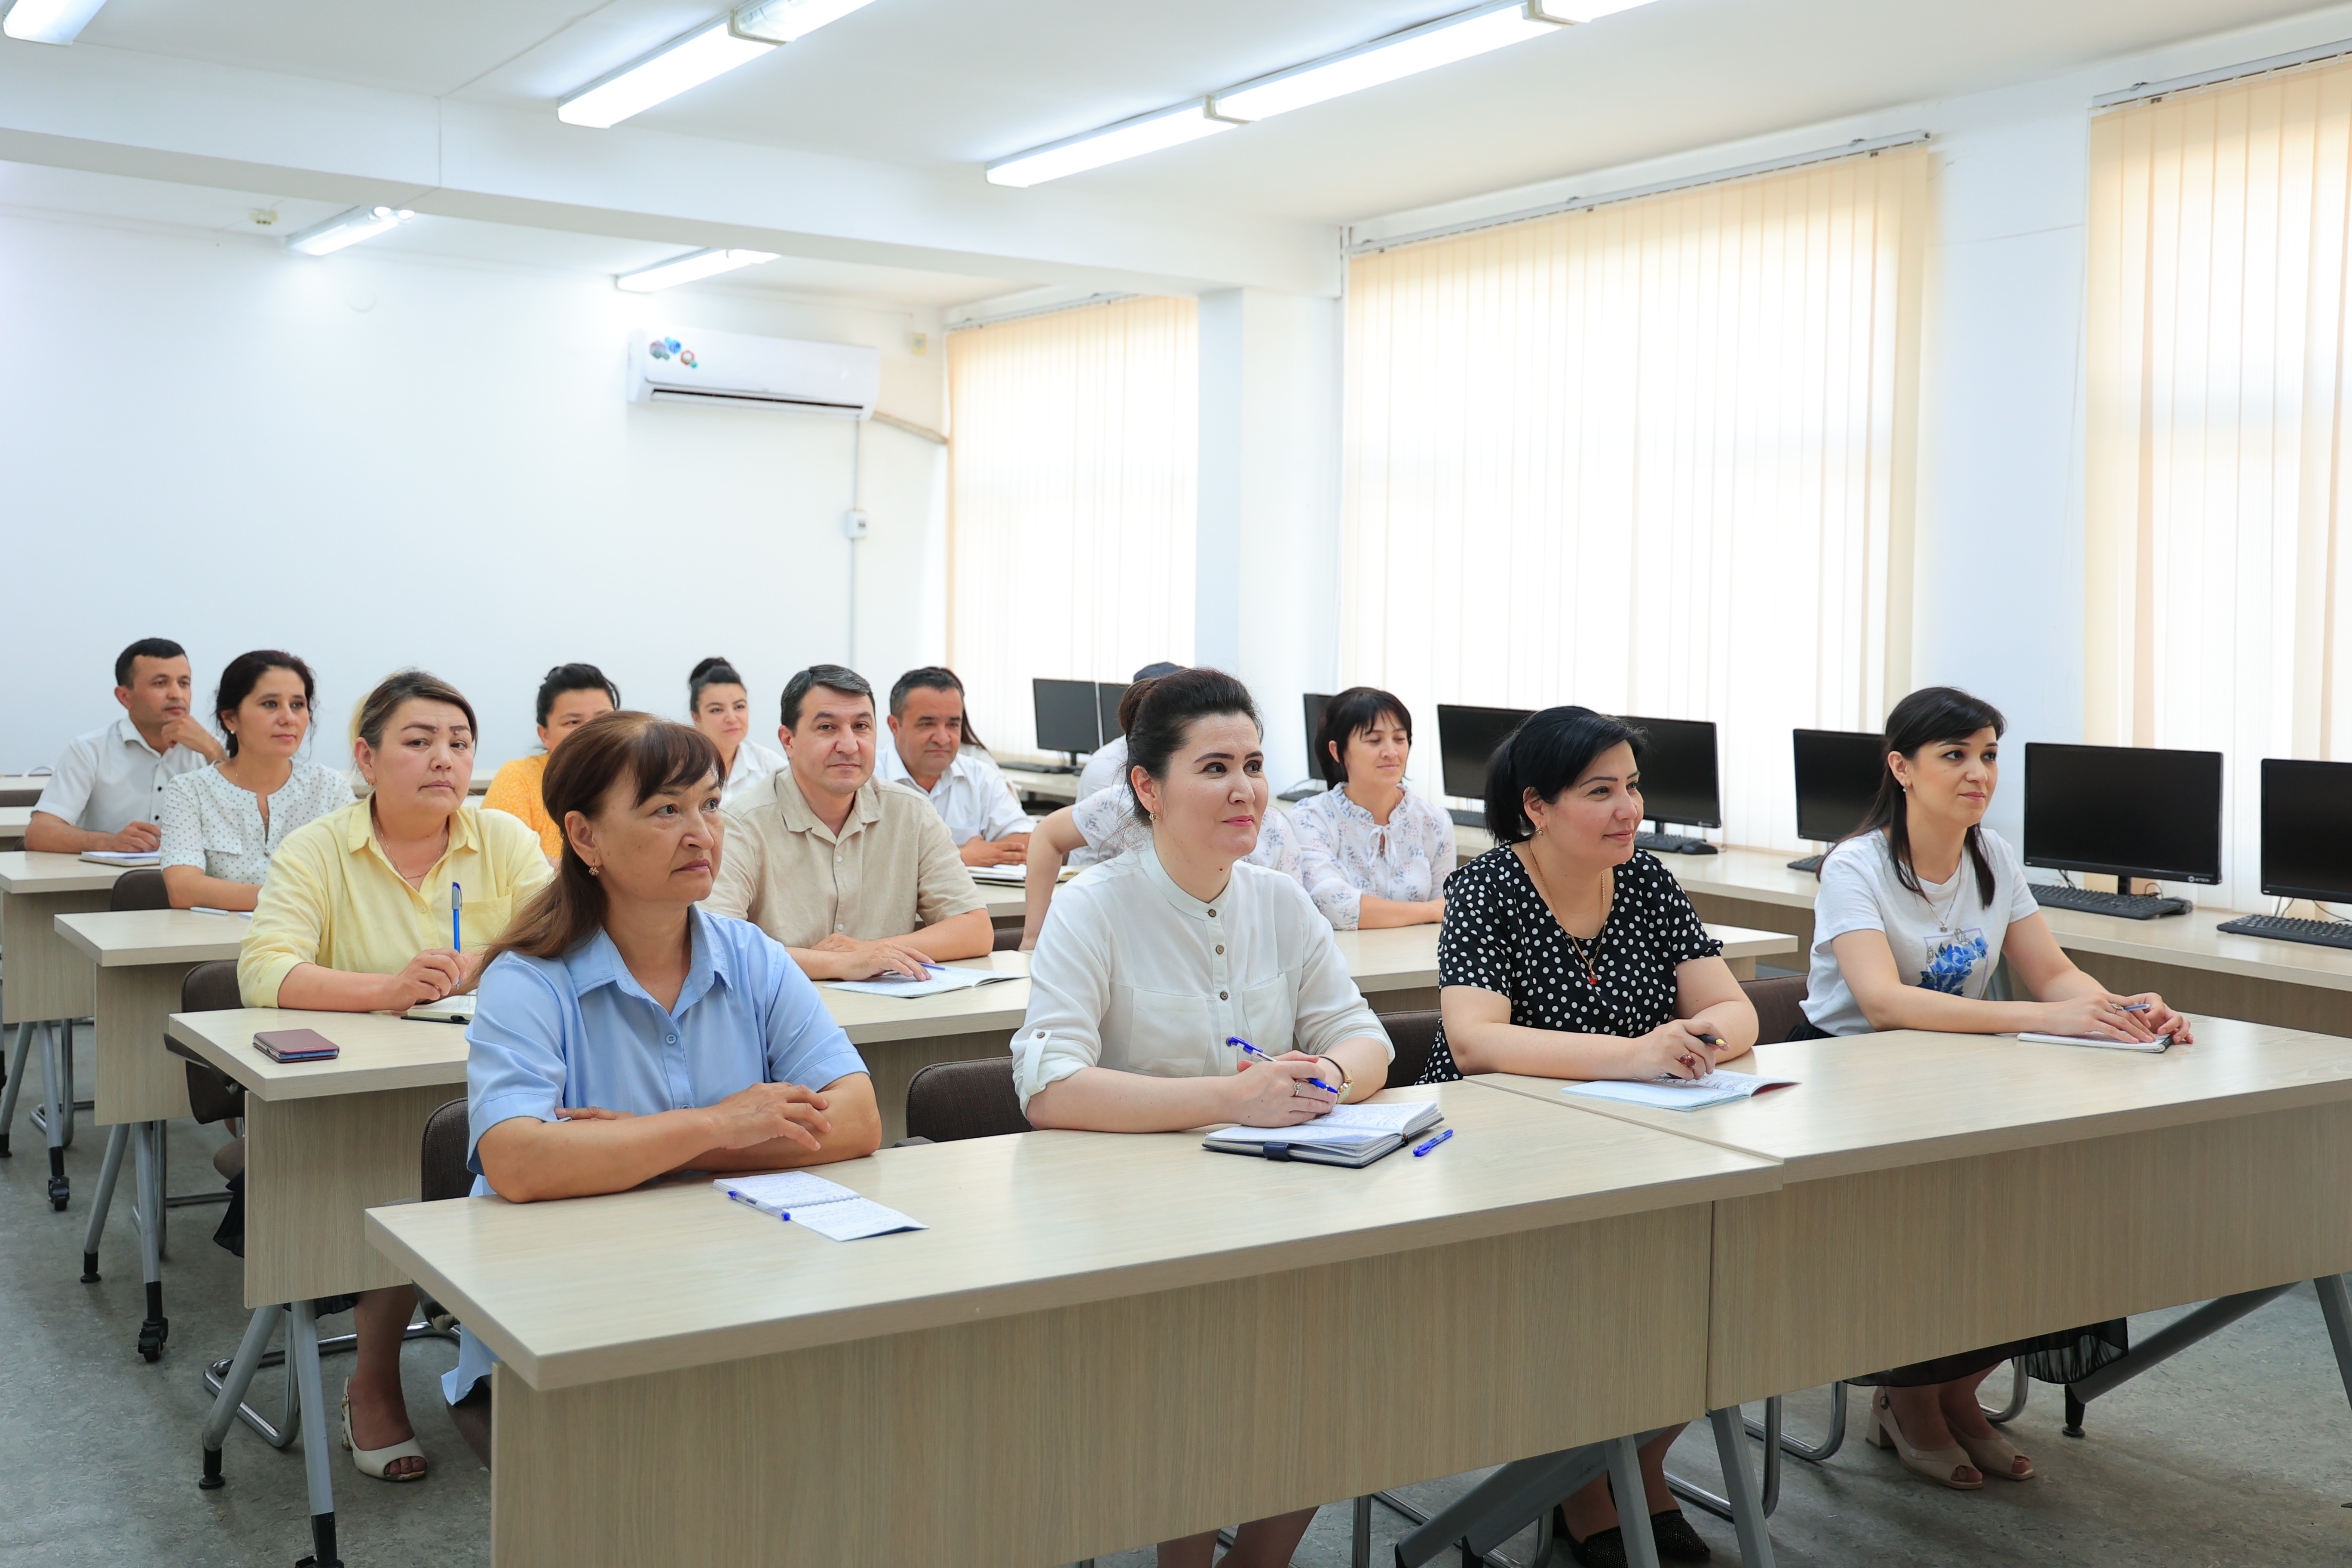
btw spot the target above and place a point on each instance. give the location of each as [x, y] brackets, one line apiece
[1651, 457]
[2216, 564]
[1073, 467]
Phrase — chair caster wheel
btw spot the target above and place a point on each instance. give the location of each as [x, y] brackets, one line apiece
[151, 1336]
[60, 1193]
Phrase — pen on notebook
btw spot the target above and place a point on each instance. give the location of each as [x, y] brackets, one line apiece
[1248, 1049]
[1432, 1143]
[457, 901]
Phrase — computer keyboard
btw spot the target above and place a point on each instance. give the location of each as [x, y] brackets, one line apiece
[2283, 927]
[2091, 902]
[1810, 863]
[1467, 817]
[1672, 844]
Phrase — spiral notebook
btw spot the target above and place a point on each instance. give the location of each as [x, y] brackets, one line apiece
[828, 1208]
[1350, 1135]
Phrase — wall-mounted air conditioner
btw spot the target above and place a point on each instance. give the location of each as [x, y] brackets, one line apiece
[736, 371]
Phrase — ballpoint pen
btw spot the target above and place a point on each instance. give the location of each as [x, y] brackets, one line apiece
[457, 901]
[1248, 1049]
[1432, 1143]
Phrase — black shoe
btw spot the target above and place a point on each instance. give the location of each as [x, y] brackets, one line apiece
[1677, 1542]
[1602, 1549]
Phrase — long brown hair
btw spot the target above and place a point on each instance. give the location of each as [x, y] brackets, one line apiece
[652, 754]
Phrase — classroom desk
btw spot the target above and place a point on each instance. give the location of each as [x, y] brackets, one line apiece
[45, 978]
[138, 958]
[1943, 1191]
[1396, 968]
[1133, 1322]
[14, 820]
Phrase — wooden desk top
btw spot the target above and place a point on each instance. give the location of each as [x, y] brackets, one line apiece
[677, 1276]
[380, 1051]
[1761, 875]
[14, 820]
[25, 874]
[128, 938]
[1883, 1102]
[986, 1009]
[1405, 957]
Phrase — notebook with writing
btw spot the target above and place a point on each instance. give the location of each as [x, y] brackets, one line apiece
[1351, 1135]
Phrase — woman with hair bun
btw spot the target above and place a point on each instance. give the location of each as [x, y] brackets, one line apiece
[720, 705]
[569, 696]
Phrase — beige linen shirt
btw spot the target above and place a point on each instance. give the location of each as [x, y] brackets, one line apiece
[891, 870]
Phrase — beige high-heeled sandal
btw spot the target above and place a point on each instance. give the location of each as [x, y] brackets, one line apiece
[1939, 1465]
[1996, 1456]
[376, 1462]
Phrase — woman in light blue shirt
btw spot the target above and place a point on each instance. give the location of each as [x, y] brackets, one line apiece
[622, 1034]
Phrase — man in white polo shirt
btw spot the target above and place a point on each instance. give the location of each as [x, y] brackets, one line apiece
[105, 790]
[933, 749]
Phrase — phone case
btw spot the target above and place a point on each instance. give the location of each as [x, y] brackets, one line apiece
[295, 1046]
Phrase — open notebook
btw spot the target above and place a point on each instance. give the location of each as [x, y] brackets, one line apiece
[122, 857]
[825, 1207]
[456, 1009]
[2162, 1043]
[1351, 1135]
[939, 979]
[1679, 1093]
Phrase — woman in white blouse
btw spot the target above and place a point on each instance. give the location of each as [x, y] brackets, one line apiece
[721, 706]
[1371, 853]
[1104, 826]
[221, 824]
[1162, 956]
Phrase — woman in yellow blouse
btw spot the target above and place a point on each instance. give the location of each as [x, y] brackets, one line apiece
[355, 917]
[569, 696]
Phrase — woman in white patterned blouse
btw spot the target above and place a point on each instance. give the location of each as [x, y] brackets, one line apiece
[221, 824]
[1371, 852]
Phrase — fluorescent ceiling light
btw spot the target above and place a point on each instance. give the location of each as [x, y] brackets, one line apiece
[49, 21]
[782, 21]
[688, 269]
[347, 228]
[1129, 139]
[682, 63]
[1438, 43]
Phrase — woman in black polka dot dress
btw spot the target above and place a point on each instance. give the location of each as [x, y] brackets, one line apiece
[1565, 952]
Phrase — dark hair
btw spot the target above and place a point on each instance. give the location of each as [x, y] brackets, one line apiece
[1358, 708]
[405, 686]
[145, 647]
[1929, 715]
[243, 674]
[1168, 710]
[832, 676]
[1548, 753]
[653, 754]
[566, 678]
[1130, 702]
[712, 672]
[934, 677]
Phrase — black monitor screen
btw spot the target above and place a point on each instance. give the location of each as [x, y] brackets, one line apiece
[2128, 811]
[1837, 779]
[1106, 696]
[1315, 701]
[1678, 771]
[1467, 739]
[2307, 830]
[1068, 717]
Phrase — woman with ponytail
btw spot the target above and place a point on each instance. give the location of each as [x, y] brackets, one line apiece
[720, 705]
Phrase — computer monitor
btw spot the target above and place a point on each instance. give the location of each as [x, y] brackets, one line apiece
[1316, 702]
[1106, 698]
[1837, 779]
[1678, 780]
[2125, 811]
[1467, 739]
[2307, 830]
[1068, 717]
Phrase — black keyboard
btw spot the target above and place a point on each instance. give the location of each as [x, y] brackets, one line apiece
[1466, 818]
[1810, 863]
[2282, 928]
[2091, 901]
[1672, 844]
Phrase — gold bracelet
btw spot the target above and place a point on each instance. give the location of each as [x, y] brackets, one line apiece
[1347, 1087]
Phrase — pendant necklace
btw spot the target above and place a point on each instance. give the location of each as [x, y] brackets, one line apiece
[1543, 889]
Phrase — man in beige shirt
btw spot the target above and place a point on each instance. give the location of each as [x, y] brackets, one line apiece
[857, 878]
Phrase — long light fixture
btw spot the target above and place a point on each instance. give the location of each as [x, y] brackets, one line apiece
[1425, 47]
[1093, 149]
[688, 61]
[784, 21]
[49, 21]
[347, 228]
[690, 268]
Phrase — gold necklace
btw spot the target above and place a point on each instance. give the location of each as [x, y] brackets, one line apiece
[1543, 891]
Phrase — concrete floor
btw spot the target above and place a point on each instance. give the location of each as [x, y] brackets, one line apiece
[2238, 1453]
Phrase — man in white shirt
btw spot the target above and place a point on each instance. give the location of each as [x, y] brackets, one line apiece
[104, 792]
[932, 748]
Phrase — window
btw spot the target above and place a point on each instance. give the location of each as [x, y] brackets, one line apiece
[1072, 468]
[1651, 457]
[2216, 559]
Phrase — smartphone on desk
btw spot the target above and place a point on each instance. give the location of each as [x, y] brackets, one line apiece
[295, 1046]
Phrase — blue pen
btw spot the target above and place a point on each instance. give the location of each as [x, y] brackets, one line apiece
[457, 901]
[1248, 1049]
[1432, 1143]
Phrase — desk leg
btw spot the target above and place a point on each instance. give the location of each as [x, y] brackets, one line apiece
[1746, 1509]
[2336, 1308]
[15, 1085]
[59, 1089]
[1633, 1520]
[223, 1414]
[116, 1141]
[2162, 1346]
[157, 1327]
[302, 1350]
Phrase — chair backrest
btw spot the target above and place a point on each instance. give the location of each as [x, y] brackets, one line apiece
[1414, 1036]
[443, 1174]
[952, 1101]
[141, 887]
[212, 1093]
[1780, 1005]
[1008, 939]
[20, 797]
[210, 987]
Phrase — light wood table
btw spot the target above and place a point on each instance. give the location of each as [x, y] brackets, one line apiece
[138, 959]
[1060, 788]
[45, 984]
[1396, 968]
[14, 820]
[1946, 1192]
[1153, 1339]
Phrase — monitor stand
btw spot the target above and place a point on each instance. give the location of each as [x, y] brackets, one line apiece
[1672, 844]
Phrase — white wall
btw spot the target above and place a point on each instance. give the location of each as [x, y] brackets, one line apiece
[378, 461]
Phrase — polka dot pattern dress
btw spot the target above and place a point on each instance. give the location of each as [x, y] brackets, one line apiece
[1500, 937]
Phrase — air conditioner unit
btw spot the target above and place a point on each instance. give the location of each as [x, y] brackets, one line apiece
[736, 371]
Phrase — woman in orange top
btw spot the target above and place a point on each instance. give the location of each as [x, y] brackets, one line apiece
[569, 696]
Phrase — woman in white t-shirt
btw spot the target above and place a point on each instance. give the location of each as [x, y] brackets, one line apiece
[1916, 909]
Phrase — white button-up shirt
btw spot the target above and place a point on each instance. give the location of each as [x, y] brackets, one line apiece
[972, 797]
[1133, 972]
[111, 778]
[1343, 854]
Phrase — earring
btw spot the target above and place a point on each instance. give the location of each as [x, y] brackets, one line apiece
[595, 870]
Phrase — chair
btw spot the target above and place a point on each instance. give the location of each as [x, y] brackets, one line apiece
[949, 1102]
[141, 887]
[1780, 1005]
[1414, 1036]
[443, 1174]
[20, 797]
[1008, 939]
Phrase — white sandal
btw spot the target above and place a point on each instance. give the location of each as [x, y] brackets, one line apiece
[375, 1461]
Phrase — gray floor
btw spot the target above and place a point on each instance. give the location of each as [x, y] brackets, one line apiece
[2237, 1453]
